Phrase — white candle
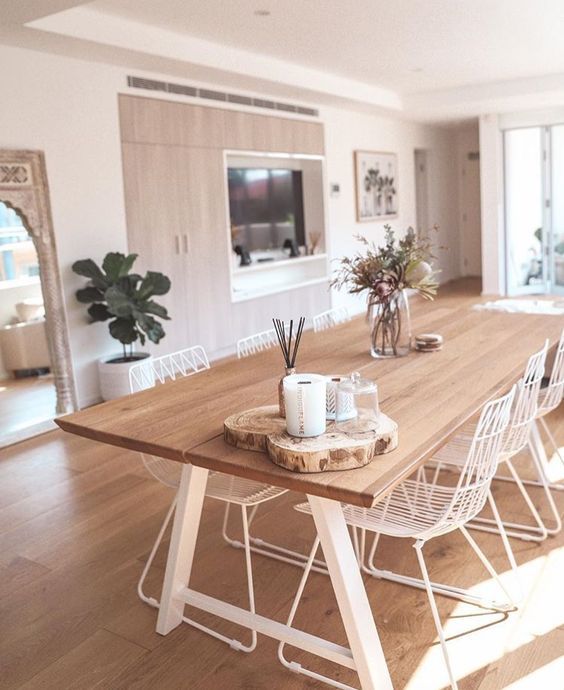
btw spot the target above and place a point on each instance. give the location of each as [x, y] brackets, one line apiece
[304, 397]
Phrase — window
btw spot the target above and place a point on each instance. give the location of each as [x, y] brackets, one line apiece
[18, 258]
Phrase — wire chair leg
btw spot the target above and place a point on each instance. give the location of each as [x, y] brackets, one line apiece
[507, 546]
[234, 644]
[487, 565]
[265, 548]
[514, 529]
[546, 488]
[551, 438]
[536, 446]
[434, 610]
[370, 566]
[250, 584]
[293, 665]
[151, 600]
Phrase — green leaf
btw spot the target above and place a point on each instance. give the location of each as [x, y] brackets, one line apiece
[128, 283]
[156, 333]
[150, 307]
[99, 312]
[124, 330]
[116, 265]
[89, 269]
[89, 294]
[119, 303]
[153, 284]
[127, 264]
[112, 265]
[150, 326]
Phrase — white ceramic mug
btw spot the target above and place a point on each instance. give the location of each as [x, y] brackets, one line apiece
[304, 397]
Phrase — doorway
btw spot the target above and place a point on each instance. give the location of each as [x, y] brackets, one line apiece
[36, 380]
[421, 191]
[470, 214]
[534, 209]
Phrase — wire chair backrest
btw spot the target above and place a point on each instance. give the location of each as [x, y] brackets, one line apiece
[258, 342]
[330, 318]
[551, 397]
[159, 370]
[179, 364]
[471, 492]
[525, 404]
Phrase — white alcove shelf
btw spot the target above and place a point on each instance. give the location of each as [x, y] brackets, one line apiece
[272, 270]
[248, 282]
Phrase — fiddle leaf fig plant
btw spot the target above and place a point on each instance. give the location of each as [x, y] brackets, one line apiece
[123, 298]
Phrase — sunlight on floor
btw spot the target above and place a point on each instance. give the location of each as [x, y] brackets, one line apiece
[555, 469]
[477, 637]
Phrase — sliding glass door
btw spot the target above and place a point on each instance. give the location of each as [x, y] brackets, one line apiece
[557, 185]
[534, 209]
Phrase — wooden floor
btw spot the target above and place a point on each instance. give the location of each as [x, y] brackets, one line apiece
[77, 520]
[25, 403]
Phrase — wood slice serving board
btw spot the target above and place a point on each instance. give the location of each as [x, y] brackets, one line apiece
[262, 429]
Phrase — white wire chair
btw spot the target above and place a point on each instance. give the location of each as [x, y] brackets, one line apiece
[549, 398]
[331, 317]
[424, 510]
[258, 342]
[232, 490]
[515, 440]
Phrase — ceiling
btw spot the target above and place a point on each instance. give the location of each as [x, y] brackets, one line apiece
[404, 45]
[434, 60]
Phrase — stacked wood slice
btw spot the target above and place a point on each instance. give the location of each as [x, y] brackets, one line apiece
[262, 429]
[428, 342]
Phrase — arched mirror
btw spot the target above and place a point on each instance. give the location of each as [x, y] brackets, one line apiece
[36, 380]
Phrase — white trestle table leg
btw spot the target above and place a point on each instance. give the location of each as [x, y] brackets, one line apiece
[365, 654]
[350, 593]
[185, 527]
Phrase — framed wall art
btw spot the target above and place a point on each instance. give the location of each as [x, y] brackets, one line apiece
[376, 178]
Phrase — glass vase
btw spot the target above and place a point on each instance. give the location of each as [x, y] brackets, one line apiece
[390, 325]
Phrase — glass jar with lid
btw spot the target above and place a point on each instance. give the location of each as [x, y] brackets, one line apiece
[357, 409]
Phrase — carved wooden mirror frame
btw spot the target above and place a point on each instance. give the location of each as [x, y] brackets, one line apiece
[24, 188]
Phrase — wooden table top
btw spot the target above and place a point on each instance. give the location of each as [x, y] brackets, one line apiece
[429, 394]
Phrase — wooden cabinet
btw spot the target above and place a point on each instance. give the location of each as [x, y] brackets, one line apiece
[153, 121]
[156, 221]
[176, 206]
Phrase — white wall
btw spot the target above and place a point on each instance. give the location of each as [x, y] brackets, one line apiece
[68, 109]
[491, 185]
[347, 131]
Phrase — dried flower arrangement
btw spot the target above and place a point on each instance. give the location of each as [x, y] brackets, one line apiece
[386, 272]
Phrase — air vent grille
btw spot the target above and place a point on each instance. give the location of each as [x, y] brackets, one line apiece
[208, 94]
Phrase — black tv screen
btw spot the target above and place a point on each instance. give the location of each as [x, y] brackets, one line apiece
[266, 207]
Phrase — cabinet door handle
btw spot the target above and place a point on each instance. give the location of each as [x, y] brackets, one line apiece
[177, 243]
[186, 243]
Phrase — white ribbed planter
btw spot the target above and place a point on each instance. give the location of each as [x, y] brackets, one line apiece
[114, 376]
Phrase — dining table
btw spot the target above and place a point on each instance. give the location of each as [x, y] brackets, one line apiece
[429, 394]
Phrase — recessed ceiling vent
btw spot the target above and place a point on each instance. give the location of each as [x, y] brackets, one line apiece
[207, 94]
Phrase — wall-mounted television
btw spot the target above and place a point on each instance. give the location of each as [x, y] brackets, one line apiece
[266, 208]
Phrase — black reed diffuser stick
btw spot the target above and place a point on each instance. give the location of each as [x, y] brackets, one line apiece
[289, 346]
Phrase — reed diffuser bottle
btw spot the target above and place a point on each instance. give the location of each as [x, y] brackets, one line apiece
[289, 346]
